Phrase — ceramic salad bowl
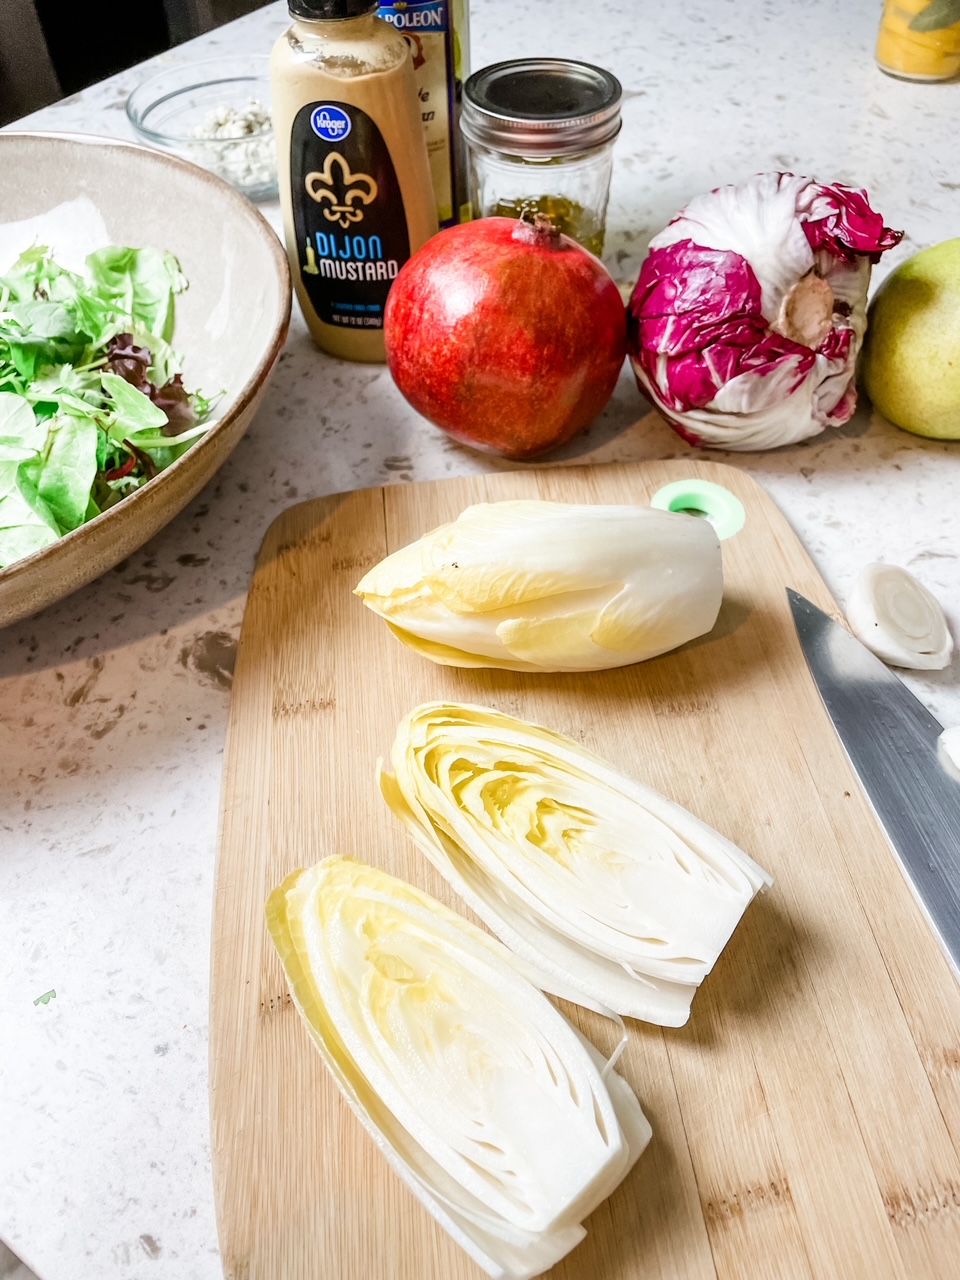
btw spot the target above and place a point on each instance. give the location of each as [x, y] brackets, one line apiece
[76, 194]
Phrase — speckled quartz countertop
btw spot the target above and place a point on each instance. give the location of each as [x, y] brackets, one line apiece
[113, 704]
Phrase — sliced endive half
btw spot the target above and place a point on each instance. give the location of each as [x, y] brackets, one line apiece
[551, 586]
[492, 1108]
[602, 884]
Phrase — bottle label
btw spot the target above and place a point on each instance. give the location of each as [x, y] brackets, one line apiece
[427, 27]
[348, 214]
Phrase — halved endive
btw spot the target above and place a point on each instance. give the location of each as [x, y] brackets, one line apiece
[602, 884]
[496, 1113]
[551, 586]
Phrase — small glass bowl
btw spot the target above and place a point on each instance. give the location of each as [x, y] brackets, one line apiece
[171, 108]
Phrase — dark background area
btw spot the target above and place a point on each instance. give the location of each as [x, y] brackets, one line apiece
[50, 49]
[84, 51]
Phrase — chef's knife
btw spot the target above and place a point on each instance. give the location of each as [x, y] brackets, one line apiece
[891, 739]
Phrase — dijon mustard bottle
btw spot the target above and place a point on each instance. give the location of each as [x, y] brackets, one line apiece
[354, 177]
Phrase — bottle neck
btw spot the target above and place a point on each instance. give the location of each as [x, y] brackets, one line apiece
[337, 28]
[344, 25]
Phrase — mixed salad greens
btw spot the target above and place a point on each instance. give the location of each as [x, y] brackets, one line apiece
[92, 401]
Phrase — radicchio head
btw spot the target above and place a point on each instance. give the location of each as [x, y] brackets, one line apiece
[750, 309]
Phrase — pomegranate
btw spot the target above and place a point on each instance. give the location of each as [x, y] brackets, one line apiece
[506, 334]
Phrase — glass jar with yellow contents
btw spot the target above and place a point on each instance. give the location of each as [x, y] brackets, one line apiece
[920, 39]
[540, 134]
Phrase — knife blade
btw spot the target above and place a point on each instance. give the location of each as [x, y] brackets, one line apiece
[891, 740]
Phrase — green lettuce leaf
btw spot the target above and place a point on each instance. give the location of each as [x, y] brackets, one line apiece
[152, 438]
[21, 434]
[132, 410]
[23, 357]
[43, 319]
[63, 384]
[69, 468]
[26, 524]
[142, 283]
[105, 449]
[50, 301]
[34, 257]
[75, 435]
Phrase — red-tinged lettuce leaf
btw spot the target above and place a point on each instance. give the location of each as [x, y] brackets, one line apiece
[175, 401]
[840, 220]
[132, 363]
[696, 322]
[129, 361]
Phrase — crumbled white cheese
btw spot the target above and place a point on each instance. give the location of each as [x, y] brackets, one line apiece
[246, 158]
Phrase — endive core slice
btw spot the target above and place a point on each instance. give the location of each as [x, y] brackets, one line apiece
[484, 1099]
[551, 586]
[602, 884]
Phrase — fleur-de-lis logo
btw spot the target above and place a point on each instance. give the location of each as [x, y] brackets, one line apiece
[343, 191]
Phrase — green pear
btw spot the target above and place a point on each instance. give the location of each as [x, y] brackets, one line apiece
[910, 365]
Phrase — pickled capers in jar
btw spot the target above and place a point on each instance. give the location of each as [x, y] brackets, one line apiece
[569, 217]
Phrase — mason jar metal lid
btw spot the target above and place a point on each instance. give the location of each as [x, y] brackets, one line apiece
[541, 106]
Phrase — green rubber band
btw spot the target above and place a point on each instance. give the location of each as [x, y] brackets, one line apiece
[700, 497]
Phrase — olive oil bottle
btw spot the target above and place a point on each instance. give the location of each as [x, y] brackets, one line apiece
[438, 33]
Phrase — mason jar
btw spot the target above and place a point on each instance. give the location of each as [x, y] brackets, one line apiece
[919, 39]
[540, 134]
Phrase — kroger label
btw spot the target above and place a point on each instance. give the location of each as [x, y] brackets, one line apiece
[330, 123]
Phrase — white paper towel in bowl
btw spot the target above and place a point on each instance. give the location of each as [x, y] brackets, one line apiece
[70, 231]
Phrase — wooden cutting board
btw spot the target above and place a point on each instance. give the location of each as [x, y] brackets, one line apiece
[806, 1121]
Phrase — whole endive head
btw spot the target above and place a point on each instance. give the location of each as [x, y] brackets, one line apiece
[548, 586]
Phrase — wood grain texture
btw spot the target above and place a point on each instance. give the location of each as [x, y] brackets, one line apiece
[806, 1120]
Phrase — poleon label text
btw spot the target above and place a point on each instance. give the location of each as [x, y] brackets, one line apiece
[431, 16]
